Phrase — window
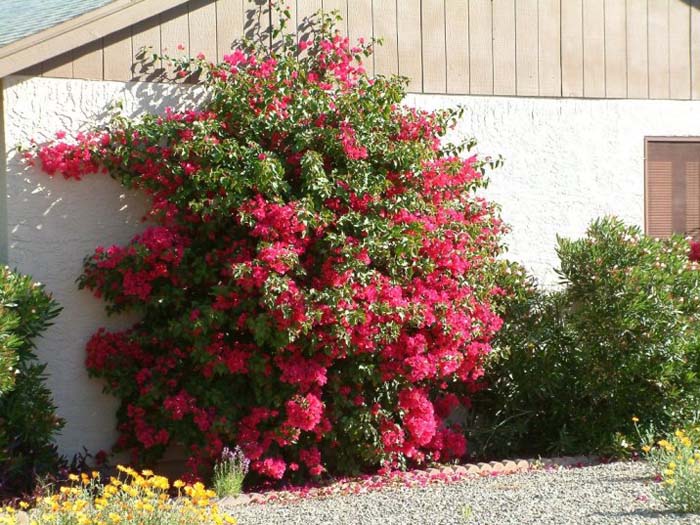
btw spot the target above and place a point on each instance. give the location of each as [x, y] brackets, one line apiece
[672, 186]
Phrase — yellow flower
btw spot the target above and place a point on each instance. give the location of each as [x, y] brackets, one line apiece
[635, 419]
[115, 482]
[666, 445]
[129, 490]
[160, 482]
[124, 503]
[646, 449]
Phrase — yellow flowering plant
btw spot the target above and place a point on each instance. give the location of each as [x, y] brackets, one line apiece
[131, 498]
[677, 462]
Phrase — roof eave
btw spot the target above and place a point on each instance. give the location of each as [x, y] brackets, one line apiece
[78, 31]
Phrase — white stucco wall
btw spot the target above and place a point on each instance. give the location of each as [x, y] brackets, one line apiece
[567, 162]
[53, 224]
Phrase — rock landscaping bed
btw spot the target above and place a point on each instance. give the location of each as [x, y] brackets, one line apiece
[411, 478]
[615, 493]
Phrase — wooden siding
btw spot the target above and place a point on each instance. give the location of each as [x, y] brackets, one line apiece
[548, 48]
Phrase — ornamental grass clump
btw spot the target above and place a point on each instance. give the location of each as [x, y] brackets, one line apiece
[318, 276]
[677, 461]
[229, 472]
[132, 498]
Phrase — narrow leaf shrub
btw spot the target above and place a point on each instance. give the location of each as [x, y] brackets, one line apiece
[28, 421]
[9, 344]
[619, 339]
[317, 281]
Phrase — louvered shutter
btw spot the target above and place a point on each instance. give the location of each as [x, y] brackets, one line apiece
[672, 188]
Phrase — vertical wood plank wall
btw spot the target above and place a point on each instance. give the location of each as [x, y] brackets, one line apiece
[548, 48]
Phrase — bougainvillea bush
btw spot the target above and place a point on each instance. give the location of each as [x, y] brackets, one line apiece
[317, 281]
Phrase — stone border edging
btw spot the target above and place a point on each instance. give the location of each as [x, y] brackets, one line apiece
[412, 478]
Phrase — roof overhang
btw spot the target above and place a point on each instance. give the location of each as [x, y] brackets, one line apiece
[78, 31]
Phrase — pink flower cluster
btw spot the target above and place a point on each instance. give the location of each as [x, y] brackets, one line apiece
[71, 159]
[128, 274]
[349, 142]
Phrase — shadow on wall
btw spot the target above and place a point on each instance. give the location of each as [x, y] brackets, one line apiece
[140, 98]
[256, 28]
[54, 223]
[257, 22]
[55, 201]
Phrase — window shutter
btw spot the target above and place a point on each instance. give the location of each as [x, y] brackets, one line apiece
[692, 196]
[673, 188]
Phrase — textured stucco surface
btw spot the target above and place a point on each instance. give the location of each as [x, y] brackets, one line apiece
[53, 224]
[567, 161]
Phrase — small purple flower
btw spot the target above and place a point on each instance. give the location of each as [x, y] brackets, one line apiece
[236, 458]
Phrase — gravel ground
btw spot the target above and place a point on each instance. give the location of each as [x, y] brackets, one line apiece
[618, 493]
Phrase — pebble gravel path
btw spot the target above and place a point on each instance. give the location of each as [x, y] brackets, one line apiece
[612, 494]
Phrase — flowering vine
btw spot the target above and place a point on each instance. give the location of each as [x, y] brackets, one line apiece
[318, 278]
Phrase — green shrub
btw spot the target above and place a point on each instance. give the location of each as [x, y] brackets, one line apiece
[619, 338]
[9, 343]
[27, 419]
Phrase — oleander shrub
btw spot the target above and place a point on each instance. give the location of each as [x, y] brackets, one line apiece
[28, 421]
[620, 338]
[9, 343]
[318, 279]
